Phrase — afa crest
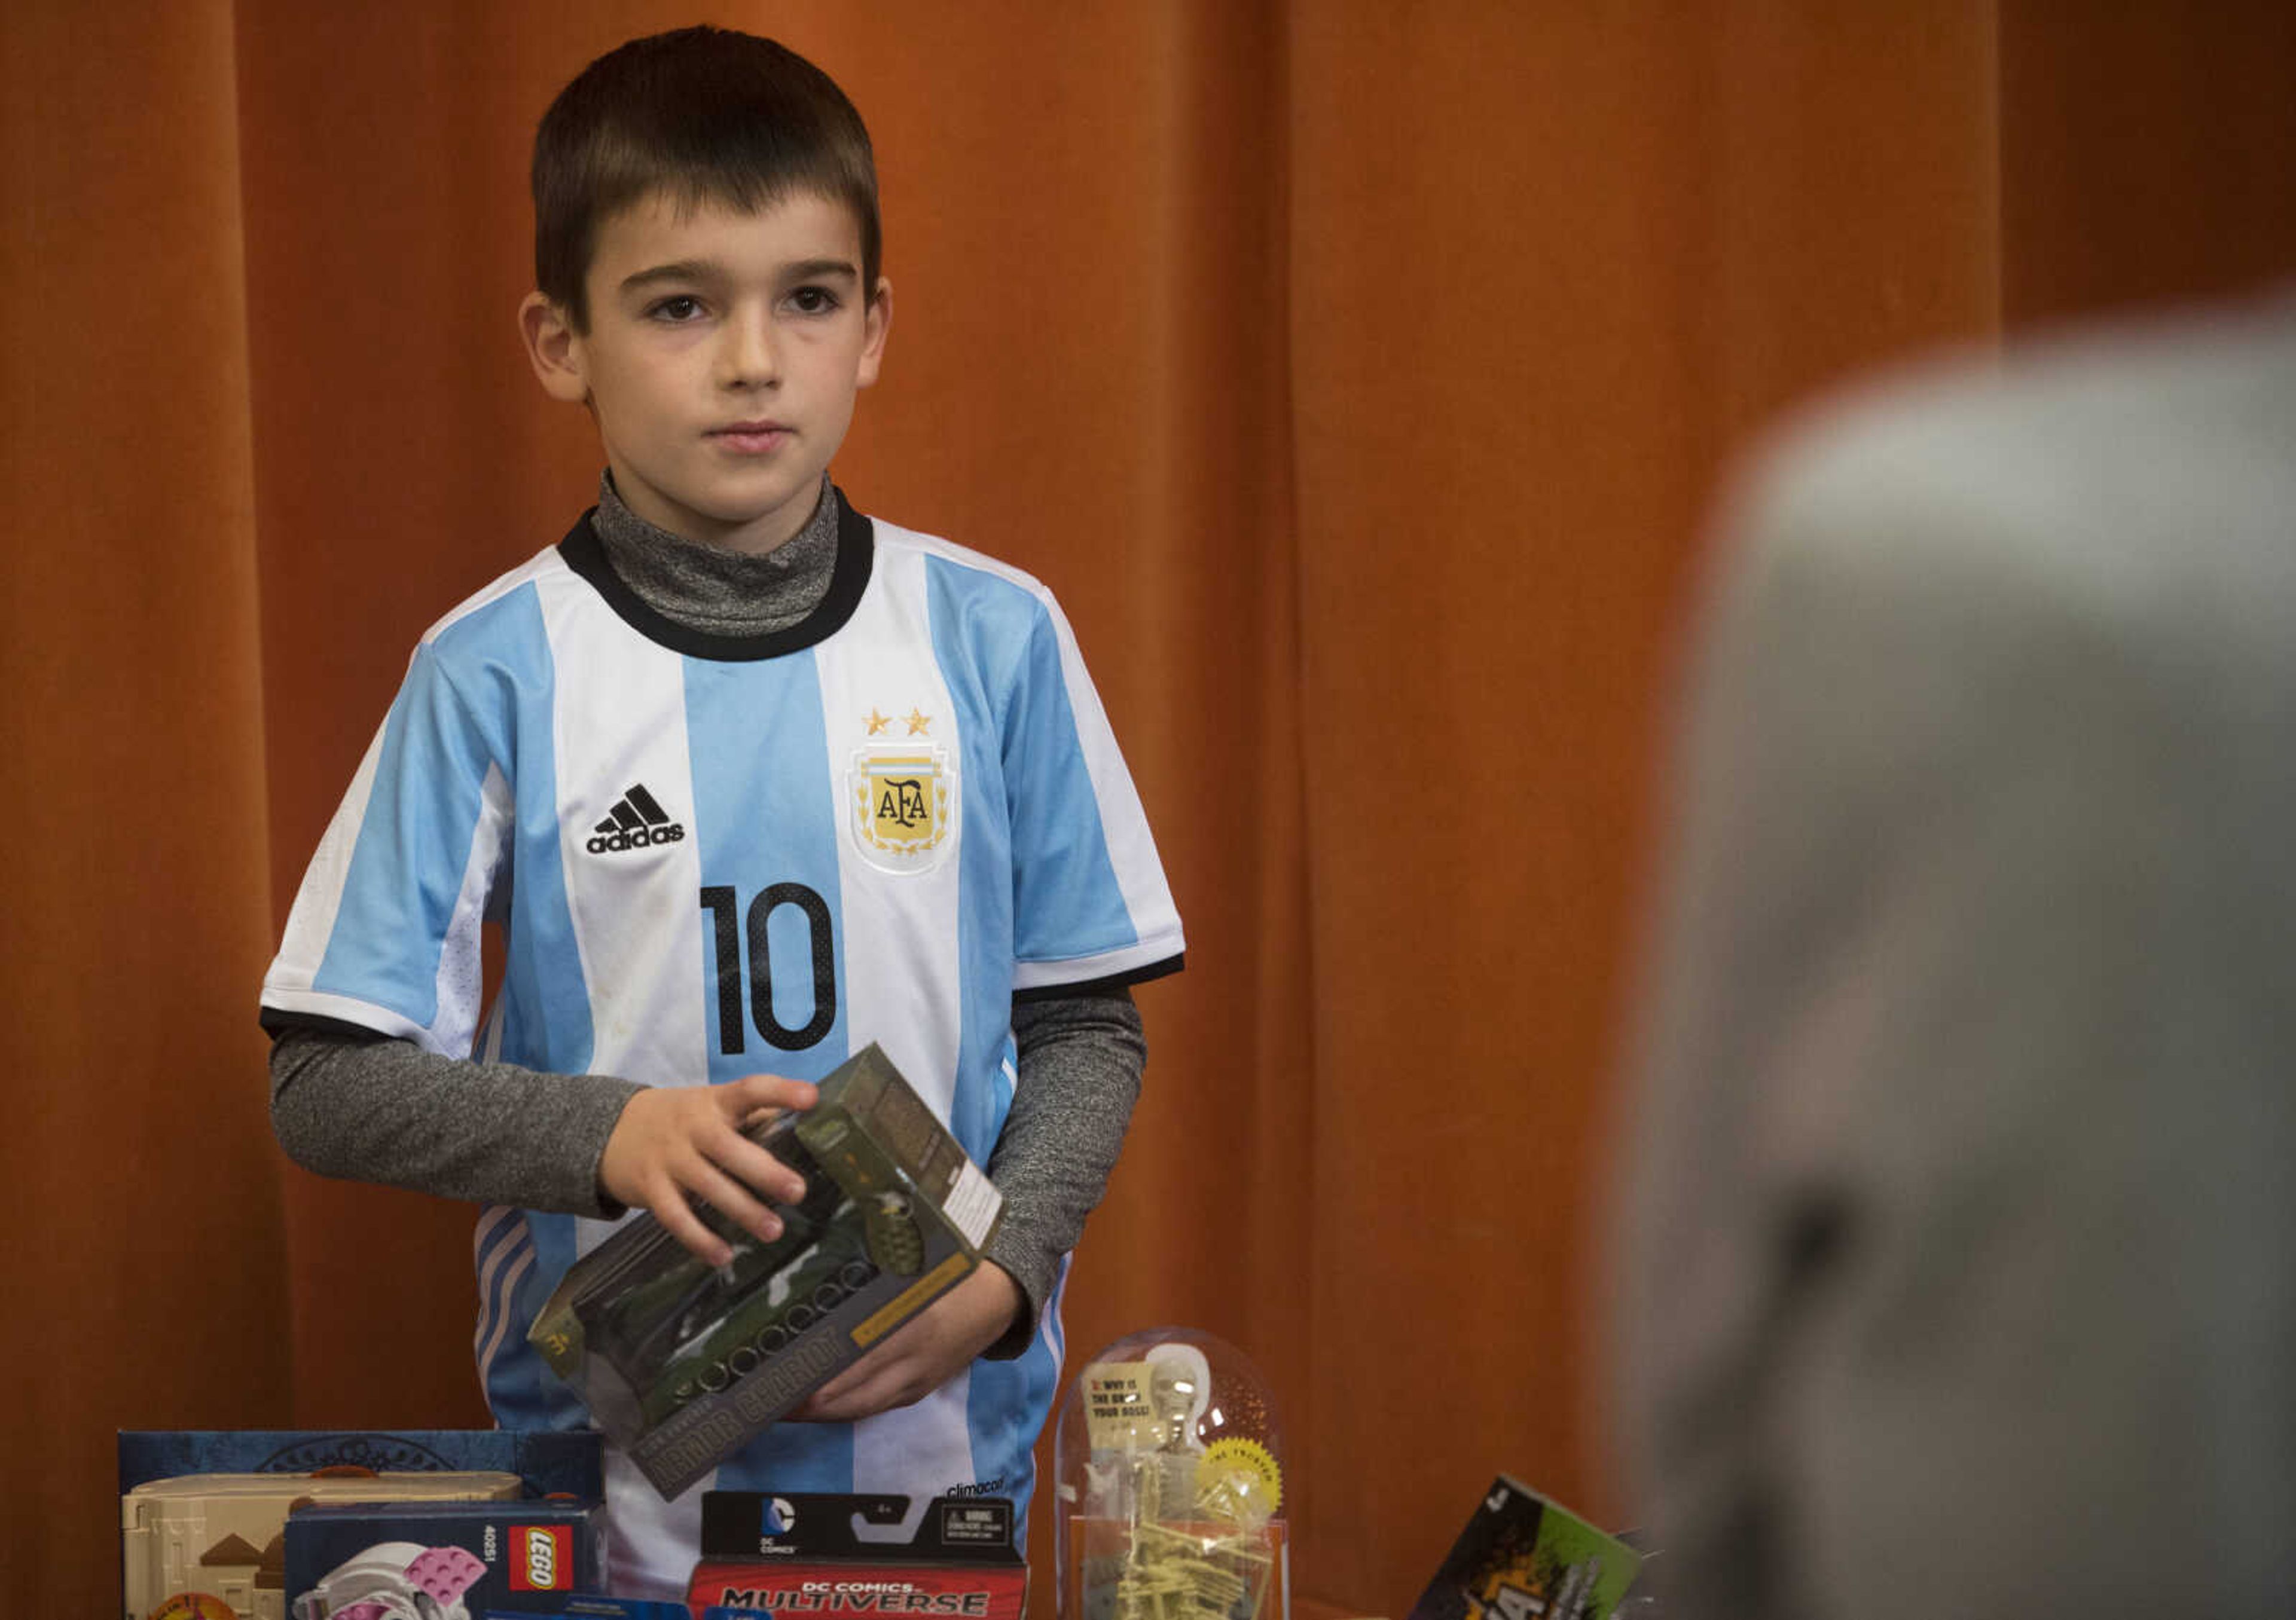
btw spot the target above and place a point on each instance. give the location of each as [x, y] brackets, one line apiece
[903, 804]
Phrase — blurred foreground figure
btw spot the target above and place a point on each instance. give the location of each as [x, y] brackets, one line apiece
[1959, 1264]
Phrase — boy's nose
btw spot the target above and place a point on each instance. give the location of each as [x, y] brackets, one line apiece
[746, 359]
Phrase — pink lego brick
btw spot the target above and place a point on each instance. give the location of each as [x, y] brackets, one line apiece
[445, 1573]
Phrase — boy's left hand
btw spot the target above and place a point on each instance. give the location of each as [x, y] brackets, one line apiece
[925, 1354]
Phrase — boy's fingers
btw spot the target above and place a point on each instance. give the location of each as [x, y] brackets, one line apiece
[735, 1201]
[846, 1381]
[678, 1218]
[757, 1169]
[882, 1389]
[753, 1096]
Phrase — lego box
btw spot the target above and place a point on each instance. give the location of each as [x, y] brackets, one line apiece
[834, 1554]
[203, 1513]
[374, 1560]
[682, 1363]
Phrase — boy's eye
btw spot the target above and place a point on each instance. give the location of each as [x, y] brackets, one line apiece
[684, 306]
[814, 300]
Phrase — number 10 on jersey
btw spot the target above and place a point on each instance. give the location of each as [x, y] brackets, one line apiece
[728, 928]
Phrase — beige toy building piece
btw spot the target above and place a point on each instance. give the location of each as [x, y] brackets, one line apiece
[222, 1534]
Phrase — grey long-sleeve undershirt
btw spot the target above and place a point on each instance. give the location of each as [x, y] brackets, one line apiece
[382, 1109]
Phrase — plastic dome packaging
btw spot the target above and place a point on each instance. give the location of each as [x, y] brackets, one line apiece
[1168, 1486]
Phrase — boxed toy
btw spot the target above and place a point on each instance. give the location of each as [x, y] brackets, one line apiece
[840, 1554]
[441, 1560]
[1521, 1555]
[634, 1609]
[682, 1363]
[203, 1513]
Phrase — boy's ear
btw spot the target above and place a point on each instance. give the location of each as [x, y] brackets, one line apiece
[879, 320]
[553, 347]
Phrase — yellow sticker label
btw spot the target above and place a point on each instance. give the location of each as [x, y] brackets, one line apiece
[910, 1300]
[1240, 1478]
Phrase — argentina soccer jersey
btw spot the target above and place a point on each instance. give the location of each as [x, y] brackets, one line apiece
[713, 855]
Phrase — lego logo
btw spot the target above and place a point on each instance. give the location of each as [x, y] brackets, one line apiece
[541, 1564]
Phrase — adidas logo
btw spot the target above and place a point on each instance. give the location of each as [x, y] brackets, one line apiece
[636, 822]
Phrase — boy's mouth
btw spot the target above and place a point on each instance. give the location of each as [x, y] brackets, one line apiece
[751, 436]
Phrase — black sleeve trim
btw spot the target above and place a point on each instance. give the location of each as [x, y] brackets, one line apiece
[586, 555]
[1112, 984]
[277, 1023]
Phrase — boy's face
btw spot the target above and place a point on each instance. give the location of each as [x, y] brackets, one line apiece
[724, 352]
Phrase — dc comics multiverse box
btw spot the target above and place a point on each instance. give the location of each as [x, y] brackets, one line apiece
[844, 1554]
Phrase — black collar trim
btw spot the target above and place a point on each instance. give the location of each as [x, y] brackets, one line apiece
[857, 551]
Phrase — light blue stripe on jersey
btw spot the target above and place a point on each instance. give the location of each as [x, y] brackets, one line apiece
[413, 845]
[1040, 848]
[764, 816]
[546, 1000]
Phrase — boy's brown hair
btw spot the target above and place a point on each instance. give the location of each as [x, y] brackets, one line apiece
[700, 115]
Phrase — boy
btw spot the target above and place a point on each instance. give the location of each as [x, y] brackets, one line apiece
[746, 780]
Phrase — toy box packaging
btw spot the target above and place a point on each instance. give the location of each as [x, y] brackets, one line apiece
[851, 1555]
[682, 1363]
[1523, 1556]
[634, 1609]
[203, 1513]
[380, 1560]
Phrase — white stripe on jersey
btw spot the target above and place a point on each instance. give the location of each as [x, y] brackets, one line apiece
[918, 1451]
[1051, 1331]
[902, 939]
[647, 1530]
[633, 909]
[902, 986]
[462, 978]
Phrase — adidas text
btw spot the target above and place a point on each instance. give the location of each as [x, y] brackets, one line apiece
[634, 837]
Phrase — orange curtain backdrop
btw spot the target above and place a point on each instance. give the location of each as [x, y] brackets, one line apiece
[1357, 373]
[144, 1277]
[1549, 261]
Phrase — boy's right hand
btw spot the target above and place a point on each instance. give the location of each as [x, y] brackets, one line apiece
[676, 1141]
